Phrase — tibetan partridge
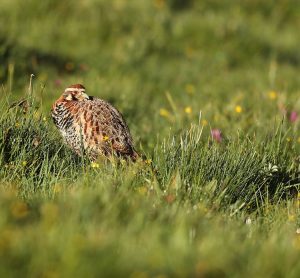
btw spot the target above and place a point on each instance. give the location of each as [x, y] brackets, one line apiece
[91, 125]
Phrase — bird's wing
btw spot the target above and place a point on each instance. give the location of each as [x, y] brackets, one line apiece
[104, 127]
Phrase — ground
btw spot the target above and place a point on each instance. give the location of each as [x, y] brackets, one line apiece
[210, 91]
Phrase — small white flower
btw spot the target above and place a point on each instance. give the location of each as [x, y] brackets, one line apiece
[270, 169]
[274, 168]
[248, 221]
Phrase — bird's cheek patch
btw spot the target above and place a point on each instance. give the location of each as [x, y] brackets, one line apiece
[69, 97]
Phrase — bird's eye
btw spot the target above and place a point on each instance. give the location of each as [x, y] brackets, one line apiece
[69, 97]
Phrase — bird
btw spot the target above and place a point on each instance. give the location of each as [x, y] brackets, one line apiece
[92, 126]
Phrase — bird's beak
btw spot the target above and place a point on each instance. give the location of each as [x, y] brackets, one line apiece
[84, 96]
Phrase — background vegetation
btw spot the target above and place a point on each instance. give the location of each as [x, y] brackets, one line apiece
[210, 90]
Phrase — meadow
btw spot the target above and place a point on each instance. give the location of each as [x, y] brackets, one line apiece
[210, 91]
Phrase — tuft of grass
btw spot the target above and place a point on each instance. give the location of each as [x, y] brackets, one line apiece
[32, 155]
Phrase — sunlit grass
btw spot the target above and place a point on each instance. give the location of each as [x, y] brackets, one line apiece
[210, 91]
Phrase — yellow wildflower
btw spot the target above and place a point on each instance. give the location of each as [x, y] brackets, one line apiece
[190, 89]
[69, 66]
[164, 112]
[44, 119]
[57, 188]
[159, 4]
[138, 274]
[204, 122]
[49, 212]
[291, 217]
[105, 138]
[123, 162]
[289, 139]
[142, 190]
[24, 163]
[190, 52]
[17, 124]
[216, 118]
[238, 109]
[148, 161]
[43, 77]
[36, 114]
[19, 209]
[95, 165]
[272, 95]
[188, 110]
[296, 241]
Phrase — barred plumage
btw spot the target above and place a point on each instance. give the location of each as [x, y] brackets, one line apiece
[91, 125]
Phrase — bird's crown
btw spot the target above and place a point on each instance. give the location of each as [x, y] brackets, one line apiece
[75, 88]
[75, 93]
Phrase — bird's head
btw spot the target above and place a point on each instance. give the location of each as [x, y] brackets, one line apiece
[75, 93]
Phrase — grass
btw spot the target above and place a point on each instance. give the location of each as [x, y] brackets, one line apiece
[208, 89]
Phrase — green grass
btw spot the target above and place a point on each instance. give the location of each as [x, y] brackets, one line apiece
[176, 70]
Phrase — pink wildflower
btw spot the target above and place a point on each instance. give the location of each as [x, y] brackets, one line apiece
[57, 82]
[216, 134]
[293, 116]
